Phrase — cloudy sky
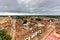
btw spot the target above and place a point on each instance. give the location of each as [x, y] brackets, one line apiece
[30, 6]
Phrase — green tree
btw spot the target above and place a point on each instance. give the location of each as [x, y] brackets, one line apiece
[3, 32]
[4, 35]
[24, 21]
[0, 38]
[38, 19]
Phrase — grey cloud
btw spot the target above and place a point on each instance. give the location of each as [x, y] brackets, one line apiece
[33, 6]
